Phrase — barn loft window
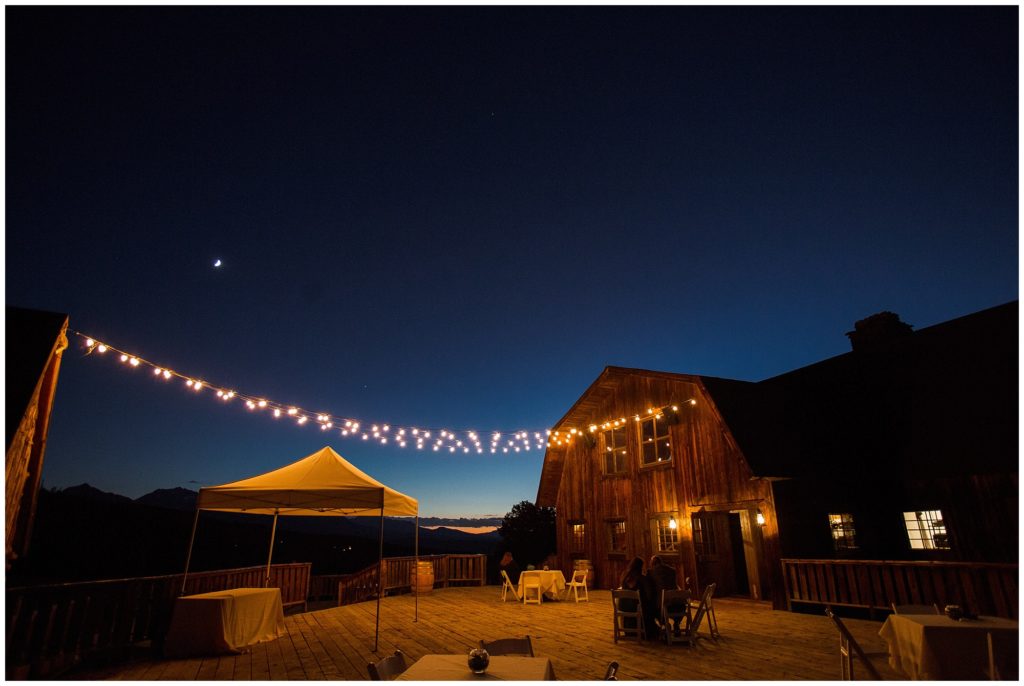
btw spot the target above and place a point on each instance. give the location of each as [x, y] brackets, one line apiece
[843, 533]
[617, 536]
[615, 450]
[667, 534]
[654, 442]
[577, 536]
[926, 530]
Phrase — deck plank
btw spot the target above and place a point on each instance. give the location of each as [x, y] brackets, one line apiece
[336, 643]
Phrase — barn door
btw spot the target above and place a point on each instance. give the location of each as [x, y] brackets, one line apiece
[712, 555]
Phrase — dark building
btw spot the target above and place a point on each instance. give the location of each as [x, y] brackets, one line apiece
[904, 448]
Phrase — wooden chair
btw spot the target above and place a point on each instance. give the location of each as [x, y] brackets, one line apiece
[579, 580]
[630, 599]
[693, 626]
[675, 606]
[610, 674]
[712, 618]
[509, 646]
[507, 587]
[531, 589]
[932, 609]
[848, 648]
[388, 668]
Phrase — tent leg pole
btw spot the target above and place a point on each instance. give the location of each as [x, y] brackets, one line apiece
[380, 567]
[270, 555]
[416, 618]
[191, 542]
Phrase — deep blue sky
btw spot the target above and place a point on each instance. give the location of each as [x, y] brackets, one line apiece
[456, 217]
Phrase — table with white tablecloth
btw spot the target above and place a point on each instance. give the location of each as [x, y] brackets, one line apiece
[551, 582]
[930, 647]
[501, 668]
[224, 621]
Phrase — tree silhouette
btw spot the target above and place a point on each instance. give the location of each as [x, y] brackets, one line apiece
[529, 532]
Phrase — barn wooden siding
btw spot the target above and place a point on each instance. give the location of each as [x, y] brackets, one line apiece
[27, 443]
[707, 473]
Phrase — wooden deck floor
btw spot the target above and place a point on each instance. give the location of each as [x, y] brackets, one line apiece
[757, 643]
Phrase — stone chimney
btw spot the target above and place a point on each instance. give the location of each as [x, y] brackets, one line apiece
[878, 331]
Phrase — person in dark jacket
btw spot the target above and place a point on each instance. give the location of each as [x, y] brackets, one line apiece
[664, 578]
[510, 567]
[634, 579]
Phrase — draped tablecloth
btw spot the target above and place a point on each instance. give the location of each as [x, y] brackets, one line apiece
[551, 582]
[930, 647]
[224, 621]
[501, 668]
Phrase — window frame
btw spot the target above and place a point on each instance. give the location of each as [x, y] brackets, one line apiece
[703, 535]
[931, 526]
[657, 421]
[844, 533]
[623, 468]
[577, 538]
[612, 524]
[661, 523]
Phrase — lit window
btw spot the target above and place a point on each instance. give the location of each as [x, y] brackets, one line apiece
[617, 536]
[578, 536]
[667, 534]
[926, 530]
[615, 450]
[654, 442]
[843, 533]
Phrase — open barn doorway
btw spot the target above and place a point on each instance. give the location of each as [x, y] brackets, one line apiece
[728, 547]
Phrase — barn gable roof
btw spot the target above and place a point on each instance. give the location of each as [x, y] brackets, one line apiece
[941, 400]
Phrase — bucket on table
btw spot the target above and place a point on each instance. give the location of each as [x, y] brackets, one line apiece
[423, 579]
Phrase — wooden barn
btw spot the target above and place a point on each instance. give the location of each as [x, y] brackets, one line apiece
[903, 449]
[34, 343]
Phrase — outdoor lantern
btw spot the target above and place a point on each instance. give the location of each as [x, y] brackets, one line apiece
[760, 518]
[672, 523]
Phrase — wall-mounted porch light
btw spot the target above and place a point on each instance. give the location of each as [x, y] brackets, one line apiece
[760, 518]
[672, 523]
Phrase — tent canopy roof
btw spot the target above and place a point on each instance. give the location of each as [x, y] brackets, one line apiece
[321, 484]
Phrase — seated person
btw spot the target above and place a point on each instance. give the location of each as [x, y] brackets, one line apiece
[510, 567]
[634, 579]
[664, 578]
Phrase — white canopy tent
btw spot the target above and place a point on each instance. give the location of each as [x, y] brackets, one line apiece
[321, 484]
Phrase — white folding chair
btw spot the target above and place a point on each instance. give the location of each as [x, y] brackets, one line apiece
[507, 587]
[531, 589]
[848, 649]
[579, 580]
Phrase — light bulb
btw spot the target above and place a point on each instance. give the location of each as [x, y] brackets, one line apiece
[102, 348]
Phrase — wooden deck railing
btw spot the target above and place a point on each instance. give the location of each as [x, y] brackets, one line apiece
[51, 628]
[449, 570]
[981, 588]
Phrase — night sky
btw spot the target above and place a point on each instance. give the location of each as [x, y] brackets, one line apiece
[457, 217]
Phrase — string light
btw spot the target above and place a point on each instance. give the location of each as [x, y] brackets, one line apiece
[520, 441]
